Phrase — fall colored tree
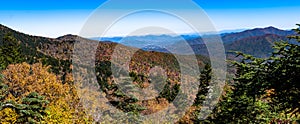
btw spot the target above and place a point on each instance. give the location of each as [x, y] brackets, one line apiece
[8, 116]
[21, 80]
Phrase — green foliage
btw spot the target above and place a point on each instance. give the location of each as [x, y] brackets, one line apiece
[16, 47]
[170, 92]
[124, 102]
[240, 108]
[31, 110]
[3, 89]
[205, 79]
[10, 51]
[265, 90]
[284, 66]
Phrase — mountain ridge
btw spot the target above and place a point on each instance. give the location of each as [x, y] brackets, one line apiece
[247, 41]
[62, 48]
[197, 43]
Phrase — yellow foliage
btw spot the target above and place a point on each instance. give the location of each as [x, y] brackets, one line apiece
[24, 79]
[8, 116]
[64, 106]
[59, 113]
[67, 109]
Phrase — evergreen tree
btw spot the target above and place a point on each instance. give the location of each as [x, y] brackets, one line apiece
[10, 51]
[3, 90]
[205, 79]
[265, 90]
[32, 108]
[283, 76]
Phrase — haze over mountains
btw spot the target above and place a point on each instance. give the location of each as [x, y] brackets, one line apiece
[257, 42]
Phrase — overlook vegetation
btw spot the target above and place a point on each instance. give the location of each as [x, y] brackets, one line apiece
[37, 85]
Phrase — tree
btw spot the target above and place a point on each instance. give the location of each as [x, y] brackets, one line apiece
[21, 80]
[284, 66]
[10, 51]
[3, 89]
[266, 90]
[32, 109]
[7, 115]
[205, 79]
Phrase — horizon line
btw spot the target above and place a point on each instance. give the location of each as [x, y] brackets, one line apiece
[218, 32]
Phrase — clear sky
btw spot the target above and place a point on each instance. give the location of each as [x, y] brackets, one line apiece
[54, 18]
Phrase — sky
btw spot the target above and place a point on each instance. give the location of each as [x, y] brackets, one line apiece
[53, 18]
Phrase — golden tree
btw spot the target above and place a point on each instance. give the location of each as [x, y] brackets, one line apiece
[23, 79]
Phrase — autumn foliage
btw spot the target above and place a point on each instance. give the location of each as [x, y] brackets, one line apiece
[24, 79]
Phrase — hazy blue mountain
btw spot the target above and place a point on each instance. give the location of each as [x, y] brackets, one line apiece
[149, 42]
[229, 38]
[256, 41]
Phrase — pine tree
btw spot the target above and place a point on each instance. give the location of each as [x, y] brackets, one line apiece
[10, 51]
[32, 108]
[205, 79]
[266, 90]
[3, 89]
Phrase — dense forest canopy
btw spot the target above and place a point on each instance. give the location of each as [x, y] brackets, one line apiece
[38, 87]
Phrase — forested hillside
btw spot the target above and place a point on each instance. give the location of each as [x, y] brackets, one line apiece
[37, 84]
[43, 66]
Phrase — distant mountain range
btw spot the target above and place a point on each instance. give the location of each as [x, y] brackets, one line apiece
[257, 42]
[162, 37]
[148, 40]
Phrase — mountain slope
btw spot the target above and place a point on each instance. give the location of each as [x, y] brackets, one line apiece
[257, 42]
[229, 38]
[37, 49]
[58, 52]
[259, 46]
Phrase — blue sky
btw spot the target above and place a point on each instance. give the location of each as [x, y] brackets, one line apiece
[53, 18]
